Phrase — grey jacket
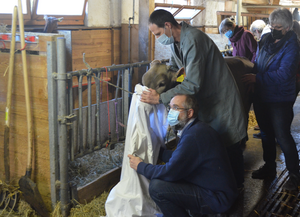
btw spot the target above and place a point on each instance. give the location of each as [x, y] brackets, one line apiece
[209, 78]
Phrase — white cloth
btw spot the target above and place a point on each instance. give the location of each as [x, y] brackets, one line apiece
[146, 129]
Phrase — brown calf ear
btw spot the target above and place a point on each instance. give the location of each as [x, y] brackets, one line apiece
[180, 75]
[154, 62]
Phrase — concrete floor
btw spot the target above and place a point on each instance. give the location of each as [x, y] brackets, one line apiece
[256, 189]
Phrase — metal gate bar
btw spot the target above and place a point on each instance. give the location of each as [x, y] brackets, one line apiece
[81, 131]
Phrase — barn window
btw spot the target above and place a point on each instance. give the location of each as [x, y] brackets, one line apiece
[7, 7]
[72, 11]
[50, 7]
[180, 12]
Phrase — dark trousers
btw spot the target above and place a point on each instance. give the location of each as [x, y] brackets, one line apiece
[236, 158]
[178, 198]
[274, 120]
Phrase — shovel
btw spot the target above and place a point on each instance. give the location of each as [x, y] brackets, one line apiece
[8, 98]
[27, 186]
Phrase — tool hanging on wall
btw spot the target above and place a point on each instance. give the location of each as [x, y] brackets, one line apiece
[9, 195]
[29, 189]
[9, 94]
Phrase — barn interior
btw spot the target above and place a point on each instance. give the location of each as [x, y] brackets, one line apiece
[78, 119]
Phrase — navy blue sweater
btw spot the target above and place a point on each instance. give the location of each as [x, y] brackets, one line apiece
[200, 159]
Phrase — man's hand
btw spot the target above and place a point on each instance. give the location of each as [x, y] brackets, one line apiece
[151, 97]
[134, 161]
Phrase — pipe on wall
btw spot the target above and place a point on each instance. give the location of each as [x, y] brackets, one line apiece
[129, 32]
[62, 127]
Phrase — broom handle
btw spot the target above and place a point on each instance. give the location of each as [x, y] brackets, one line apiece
[27, 99]
[9, 92]
[11, 67]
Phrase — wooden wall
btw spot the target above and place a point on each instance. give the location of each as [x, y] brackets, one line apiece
[101, 48]
[37, 72]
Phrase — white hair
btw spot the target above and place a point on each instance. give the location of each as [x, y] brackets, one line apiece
[258, 25]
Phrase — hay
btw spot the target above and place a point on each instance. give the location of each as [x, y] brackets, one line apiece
[252, 120]
[86, 169]
[95, 208]
[24, 210]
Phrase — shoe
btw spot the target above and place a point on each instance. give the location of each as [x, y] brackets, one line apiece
[257, 135]
[264, 172]
[256, 127]
[292, 183]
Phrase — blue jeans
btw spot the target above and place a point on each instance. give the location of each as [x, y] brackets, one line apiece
[178, 198]
[274, 120]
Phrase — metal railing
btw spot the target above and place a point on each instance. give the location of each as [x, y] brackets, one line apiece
[74, 132]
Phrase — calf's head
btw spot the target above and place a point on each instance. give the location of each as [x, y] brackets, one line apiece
[161, 77]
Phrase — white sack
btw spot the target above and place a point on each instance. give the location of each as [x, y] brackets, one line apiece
[146, 130]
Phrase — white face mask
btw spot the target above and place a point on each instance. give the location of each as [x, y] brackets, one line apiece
[165, 40]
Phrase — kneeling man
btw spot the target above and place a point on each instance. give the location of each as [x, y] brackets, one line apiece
[197, 177]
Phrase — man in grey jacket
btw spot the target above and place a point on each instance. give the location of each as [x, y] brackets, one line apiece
[208, 78]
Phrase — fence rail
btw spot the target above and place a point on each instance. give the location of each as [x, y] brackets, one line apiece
[74, 132]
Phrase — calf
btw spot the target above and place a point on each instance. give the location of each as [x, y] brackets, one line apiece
[161, 77]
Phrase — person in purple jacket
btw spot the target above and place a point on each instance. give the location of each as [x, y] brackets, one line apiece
[275, 95]
[197, 177]
[242, 41]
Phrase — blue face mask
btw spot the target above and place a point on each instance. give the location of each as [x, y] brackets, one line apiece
[229, 34]
[165, 40]
[173, 117]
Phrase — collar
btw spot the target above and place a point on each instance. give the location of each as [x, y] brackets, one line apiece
[237, 33]
[187, 124]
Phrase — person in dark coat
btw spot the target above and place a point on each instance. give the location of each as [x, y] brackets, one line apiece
[242, 41]
[197, 177]
[275, 94]
[296, 15]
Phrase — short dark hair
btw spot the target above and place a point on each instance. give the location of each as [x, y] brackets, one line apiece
[190, 103]
[159, 17]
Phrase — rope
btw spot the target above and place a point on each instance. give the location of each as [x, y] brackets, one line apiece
[111, 84]
[90, 73]
[117, 125]
[109, 132]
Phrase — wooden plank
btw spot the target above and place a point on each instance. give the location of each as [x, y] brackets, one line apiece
[39, 107]
[37, 65]
[117, 47]
[37, 87]
[97, 187]
[39, 45]
[19, 126]
[94, 62]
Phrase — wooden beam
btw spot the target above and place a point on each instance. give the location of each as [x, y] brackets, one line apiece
[97, 187]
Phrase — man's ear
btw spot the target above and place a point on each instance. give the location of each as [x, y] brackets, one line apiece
[154, 62]
[190, 113]
[180, 75]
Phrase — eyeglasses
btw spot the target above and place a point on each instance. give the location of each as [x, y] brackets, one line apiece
[277, 27]
[175, 108]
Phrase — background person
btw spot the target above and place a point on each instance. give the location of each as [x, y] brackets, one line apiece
[259, 29]
[242, 41]
[197, 177]
[275, 94]
[208, 78]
